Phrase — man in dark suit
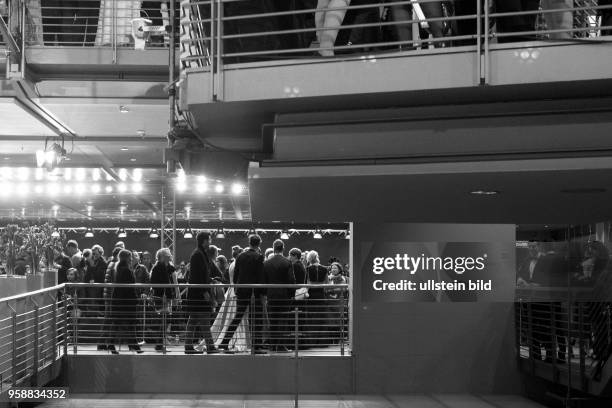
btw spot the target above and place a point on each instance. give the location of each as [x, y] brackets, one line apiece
[199, 300]
[278, 270]
[248, 269]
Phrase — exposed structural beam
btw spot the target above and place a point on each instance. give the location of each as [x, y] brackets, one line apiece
[25, 99]
[90, 139]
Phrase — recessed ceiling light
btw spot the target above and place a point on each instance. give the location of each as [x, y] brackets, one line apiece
[484, 192]
[7, 158]
[123, 109]
[585, 190]
[124, 149]
[133, 159]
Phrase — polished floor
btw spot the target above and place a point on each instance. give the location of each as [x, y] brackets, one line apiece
[286, 401]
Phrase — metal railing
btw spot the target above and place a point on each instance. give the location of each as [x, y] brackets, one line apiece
[217, 32]
[568, 329]
[233, 319]
[91, 23]
[32, 335]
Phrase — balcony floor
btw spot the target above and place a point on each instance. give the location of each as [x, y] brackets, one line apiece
[286, 401]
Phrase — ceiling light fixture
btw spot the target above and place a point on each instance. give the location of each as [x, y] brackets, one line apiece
[220, 233]
[121, 233]
[55, 233]
[347, 235]
[237, 188]
[284, 235]
[219, 188]
[51, 156]
[153, 233]
[123, 109]
[89, 233]
[317, 234]
[188, 234]
[484, 192]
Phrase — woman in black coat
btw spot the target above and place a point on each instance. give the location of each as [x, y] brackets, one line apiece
[124, 303]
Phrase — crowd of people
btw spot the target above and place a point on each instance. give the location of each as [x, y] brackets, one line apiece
[327, 23]
[550, 325]
[214, 316]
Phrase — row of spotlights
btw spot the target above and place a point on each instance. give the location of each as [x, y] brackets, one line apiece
[53, 189]
[68, 174]
[188, 233]
[201, 188]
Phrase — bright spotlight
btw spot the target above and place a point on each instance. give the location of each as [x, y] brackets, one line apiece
[137, 175]
[80, 174]
[7, 173]
[181, 186]
[201, 188]
[53, 189]
[137, 187]
[284, 235]
[237, 188]
[109, 189]
[122, 188]
[95, 188]
[39, 189]
[67, 189]
[123, 174]
[95, 174]
[317, 234]
[23, 173]
[80, 189]
[219, 188]
[39, 174]
[23, 189]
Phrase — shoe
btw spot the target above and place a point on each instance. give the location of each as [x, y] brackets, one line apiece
[137, 349]
[160, 348]
[191, 350]
[112, 349]
[212, 350]
[260, 351]
[102, 347]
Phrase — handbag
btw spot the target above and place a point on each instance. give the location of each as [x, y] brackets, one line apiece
[302, 293]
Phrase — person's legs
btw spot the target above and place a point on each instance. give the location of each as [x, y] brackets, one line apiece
[400, 14]
[332, 22]
[434, 10]
[559, 20]
[241, 306]
[515, 24]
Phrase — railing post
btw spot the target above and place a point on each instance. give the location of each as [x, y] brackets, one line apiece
[220, 81]
[486, 42]
[212, 51]
[23, 38]
[479, 41]
[530, 336]
[36, 356]
[14, 350]
[75, 325]
[65, 314]
[164, 323]
[554, 343]
[252, 321]
[342, 309]
[54, 326]
[296, 355]
[581, 344]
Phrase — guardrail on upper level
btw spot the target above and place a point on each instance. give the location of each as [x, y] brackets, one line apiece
[193, 319]
[568, 330]
[222, 35]
[32, 337]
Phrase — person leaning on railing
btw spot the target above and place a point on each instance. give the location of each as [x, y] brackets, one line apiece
[95, 271]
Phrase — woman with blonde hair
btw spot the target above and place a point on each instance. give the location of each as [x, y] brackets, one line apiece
[317, 305]
[163, 272]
